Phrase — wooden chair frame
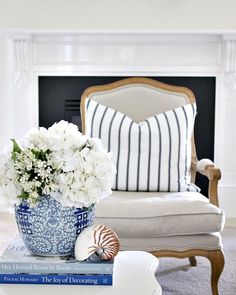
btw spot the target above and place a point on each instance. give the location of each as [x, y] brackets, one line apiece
[216, 257]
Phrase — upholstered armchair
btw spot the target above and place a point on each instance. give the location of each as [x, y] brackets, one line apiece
[155, 206]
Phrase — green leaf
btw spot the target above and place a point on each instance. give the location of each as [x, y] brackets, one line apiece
[40, 155]
[16, 149]
[23, 196]
[36, 153]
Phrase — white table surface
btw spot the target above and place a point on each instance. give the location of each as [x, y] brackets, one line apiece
[134, 273]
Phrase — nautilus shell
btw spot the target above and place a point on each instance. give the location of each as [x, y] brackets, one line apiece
[97, 239]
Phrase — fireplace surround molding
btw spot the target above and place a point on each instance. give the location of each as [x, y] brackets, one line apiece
[128, 54]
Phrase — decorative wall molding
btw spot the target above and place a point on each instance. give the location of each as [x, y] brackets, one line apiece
[230, 64]
[23, 60]
[125, 53]
[230, 56]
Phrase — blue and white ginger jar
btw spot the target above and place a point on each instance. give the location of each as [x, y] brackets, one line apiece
[49, 229]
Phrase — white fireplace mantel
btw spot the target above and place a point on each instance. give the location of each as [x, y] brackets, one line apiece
[124, 54]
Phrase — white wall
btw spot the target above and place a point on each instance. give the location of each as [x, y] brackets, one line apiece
[173, 15]
[5, 97]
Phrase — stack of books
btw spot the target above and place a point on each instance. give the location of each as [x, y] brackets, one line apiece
[18, 266]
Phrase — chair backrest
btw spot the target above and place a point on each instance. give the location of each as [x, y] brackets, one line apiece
[140, 98]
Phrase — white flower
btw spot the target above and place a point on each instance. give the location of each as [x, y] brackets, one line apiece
[64, 135]
[9, 187]
[59, 161]
[37, 137]
[73, 162]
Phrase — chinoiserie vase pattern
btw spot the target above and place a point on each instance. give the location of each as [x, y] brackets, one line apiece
[49, 229]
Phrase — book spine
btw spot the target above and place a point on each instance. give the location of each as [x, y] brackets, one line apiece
[56, 279]
[62, 268]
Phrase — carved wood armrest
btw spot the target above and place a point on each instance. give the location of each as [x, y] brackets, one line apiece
[207, 167]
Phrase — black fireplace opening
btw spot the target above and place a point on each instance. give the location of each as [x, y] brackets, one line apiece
[59, 98]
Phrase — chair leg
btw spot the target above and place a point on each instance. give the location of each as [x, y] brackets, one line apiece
[192, 260]
[217, 264]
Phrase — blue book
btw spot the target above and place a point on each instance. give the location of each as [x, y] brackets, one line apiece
[56, 279]
[17, 259]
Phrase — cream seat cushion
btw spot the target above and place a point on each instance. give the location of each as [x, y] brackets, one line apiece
[151, 214]
[175, 243]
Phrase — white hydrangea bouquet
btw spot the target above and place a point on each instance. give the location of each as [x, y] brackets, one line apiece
[59, 161]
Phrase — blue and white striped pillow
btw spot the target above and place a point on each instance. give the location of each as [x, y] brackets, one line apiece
[153, 155]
